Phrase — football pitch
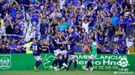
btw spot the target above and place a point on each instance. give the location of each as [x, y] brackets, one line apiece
[62, 73]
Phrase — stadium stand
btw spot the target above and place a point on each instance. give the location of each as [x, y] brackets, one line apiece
[111, 22]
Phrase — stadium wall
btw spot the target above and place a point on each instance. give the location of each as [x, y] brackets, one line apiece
[104, 62]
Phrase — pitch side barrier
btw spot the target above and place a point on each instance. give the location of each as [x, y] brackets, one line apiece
[103, 62]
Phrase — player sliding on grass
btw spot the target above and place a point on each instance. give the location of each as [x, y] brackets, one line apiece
[36, 47]
[89, 65]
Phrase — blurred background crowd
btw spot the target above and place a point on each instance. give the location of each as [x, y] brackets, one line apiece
[111, 22]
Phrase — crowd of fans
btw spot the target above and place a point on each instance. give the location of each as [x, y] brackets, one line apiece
[111, 22]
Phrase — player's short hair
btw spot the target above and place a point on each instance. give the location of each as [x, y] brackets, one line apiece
[32, 39]
[93, 38]
[36, 38]
[115, 42]
[70, 38]
[54, 34]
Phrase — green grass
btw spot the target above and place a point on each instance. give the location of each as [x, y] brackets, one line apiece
[59, 73]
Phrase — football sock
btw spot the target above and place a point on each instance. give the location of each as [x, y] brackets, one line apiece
[38, 63]
[70, 63]
[55, 62]
[60, 63]
[89, 64]
[75, 64]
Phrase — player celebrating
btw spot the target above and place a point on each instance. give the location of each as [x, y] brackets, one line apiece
[58, 53]
[63, 53]
[36, 47]
[89, 65]
[71, 56]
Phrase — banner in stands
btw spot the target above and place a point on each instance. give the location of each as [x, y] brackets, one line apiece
[104, 62]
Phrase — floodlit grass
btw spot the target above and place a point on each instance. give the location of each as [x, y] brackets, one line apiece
[60, 73]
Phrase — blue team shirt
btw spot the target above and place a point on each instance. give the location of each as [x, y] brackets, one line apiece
[114, 20]
[75, 36]
[54, 44]
[21, 15]
[34, 19]
[43, 28]
[70, 47]
[36, 48]
[121, 23]
[129, 23]
[100, 38]
[13, 12]
[116, 51]
[13, 46]
[123, 50]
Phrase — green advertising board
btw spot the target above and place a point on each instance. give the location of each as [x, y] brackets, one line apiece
[103, 62]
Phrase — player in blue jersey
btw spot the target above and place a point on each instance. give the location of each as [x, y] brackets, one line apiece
[56, 44]
[36, 47]
[71, 56]
[63, 55]
[89, 65]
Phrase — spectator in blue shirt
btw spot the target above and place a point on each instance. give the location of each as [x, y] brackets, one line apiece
[13, 11]
[44, 28]
[114, 19]
[13, 46]
[64, 25]
[35, 18]
[123, 48]
[129, 27]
